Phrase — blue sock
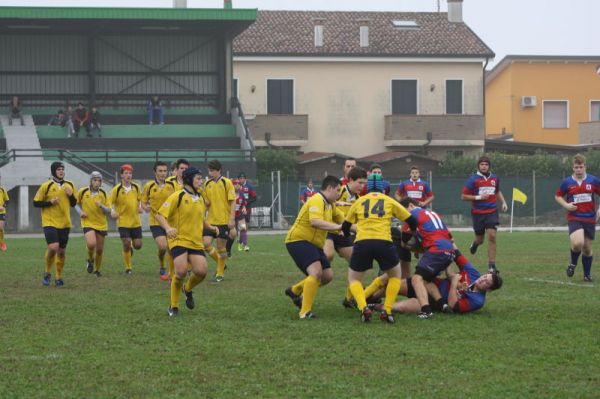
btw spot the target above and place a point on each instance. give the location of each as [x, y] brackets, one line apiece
[587, 265]
[575, 257]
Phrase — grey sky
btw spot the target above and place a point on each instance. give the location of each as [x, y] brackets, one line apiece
[540, 27]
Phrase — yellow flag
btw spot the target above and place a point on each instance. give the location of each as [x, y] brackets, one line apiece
[519, 196]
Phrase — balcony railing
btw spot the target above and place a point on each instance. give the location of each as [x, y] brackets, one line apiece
[279, 130]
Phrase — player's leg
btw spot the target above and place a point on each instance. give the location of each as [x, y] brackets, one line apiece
[127, 248]
[222, 258]
[587, 256]
[90, 243]
[329, 248]
[63, 239]
[197, 260]
[49, 258]
[2, 243]
[491, 235]
[180, 260]
[208, 244]
[577, 239]
[161, 246]
[244, 227]
[311, 286]
[479, 230]
[99, 252]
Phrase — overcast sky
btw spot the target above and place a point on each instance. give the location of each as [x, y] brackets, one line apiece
[540, 27]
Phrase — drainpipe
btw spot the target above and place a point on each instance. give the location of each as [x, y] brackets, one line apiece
[487, 60]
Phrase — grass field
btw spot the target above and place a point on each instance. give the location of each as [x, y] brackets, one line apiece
[110, 337]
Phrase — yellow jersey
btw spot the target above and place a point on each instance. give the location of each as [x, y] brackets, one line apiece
[219, 193]
[125, 201]
[156, 194]
[348, 197]
[96, 218]
[185, 212]
[176, 184]
[317, 207]
[57, 215]
[3, 200]
[372, 214]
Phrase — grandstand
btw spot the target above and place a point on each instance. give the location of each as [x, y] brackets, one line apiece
[116, 60]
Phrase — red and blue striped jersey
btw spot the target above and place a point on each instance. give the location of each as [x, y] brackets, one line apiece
[582, 196]
[432, 231]
[468, 300]
[479, 184]
[418, 190]
[306, 194]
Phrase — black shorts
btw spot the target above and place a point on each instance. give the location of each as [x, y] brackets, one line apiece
[589, 229]
[103, 233]
[61, 236]
[484, 221]
[223, 232]
[3, 216]
[179, 250]
[305, 254]
[130, 232]
[339, 241]
[433, 263]
[158, 231]
[366, 251]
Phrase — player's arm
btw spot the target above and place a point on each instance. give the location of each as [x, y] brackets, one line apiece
[161, 217]
[316, 212]
[453, 292]
[559, 197]
[209, 226]
[402, 213]
[39, 201]
[398, 194]
[146, 198]
[428, 197]
[502, 201]
[112, 203]
[70, 191]
[468, 193]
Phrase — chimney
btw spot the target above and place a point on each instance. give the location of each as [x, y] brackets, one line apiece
[455, 11]
[227, 4]
[363, 32]
[319, 31]
[179, 3]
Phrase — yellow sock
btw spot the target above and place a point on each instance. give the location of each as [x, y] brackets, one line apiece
[48, 262]
[176, 285]
[349, 295]
[161, 259]
[391, 292]
[311, 286]
[1, 236]
[127, 259]
[375, 286]
[298, 288]
[221, 262]
[90, 254]
[192, 282]
[171, 264]
[359, 294]
[212, 252]
[98, 262]
[60, 265]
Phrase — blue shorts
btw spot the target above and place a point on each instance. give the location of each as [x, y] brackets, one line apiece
[305, 254]
[484, 221]
[339, 241]
[366, 251]
[130, 232]
[158, 231]
[103, 233]
[589, 229]
[3, 216]
[223, 232]
[433, 263]
[179, 250]
[61, 236]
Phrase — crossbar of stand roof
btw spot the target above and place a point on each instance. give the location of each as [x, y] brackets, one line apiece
[98, 13]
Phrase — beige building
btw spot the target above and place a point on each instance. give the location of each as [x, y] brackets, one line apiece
[361, 83]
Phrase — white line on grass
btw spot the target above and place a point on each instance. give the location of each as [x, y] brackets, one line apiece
[539, 280]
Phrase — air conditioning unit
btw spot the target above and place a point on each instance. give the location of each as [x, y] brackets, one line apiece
[528, 101]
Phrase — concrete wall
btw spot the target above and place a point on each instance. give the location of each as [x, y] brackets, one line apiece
[442, 127]
[589, 133]
[285, 130]
[346, 101]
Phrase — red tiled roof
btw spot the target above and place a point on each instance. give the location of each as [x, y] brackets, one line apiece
[280, 33]
[391, 155]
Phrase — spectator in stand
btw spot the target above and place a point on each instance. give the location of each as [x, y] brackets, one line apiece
[81, 117]
[15, 111]
[69, 122]
[95, 122]
[155, 107]
[59, 119]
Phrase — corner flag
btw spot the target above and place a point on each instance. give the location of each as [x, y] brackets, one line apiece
[519, 196]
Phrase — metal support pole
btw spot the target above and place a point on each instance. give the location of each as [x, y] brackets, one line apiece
[23, 208]
[279, 221]
[534, 199]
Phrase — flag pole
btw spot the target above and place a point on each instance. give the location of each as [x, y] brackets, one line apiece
[512, 208]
